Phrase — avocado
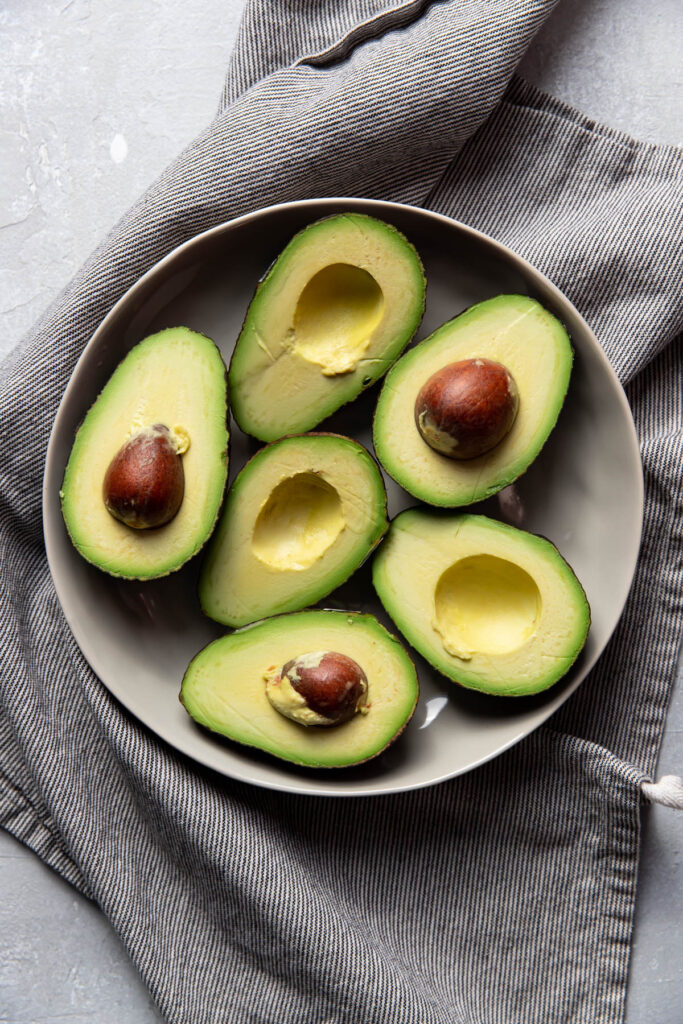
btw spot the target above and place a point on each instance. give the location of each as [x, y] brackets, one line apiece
[145, 478]
[514, 333]
[335, 310]
[300, 518]
[491, 607]
[224, 688]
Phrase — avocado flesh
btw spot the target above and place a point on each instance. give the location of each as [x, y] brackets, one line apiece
[494, 608]
[336, 309]
[510, 329]
[300, 518]
[224, 687]
[177, 378]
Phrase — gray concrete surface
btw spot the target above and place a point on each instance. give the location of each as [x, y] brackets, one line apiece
[97, 97]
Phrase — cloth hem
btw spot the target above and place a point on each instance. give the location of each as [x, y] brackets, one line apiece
[522, 93]
[622, 806]
[22, 822]
[373, 28]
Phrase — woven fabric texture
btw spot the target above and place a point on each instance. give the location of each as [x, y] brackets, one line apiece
[502, 897]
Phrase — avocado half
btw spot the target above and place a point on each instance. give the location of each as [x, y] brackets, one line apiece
[224, 688]
[176, 377]
[532, 344]
[491, 607]
[332, 314]
[300, 518]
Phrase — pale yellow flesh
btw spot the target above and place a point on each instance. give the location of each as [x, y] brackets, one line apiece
[299, 518]
[487, 604]
[335, 317]
[163, 387]
[522, 343]
[346, 294]
[227, 691]
[484, 603]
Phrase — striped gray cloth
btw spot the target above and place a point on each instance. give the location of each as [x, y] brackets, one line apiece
[503, 896]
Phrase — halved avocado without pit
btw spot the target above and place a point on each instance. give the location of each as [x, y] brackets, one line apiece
[163, 410]
[493, 608]
[300, 518]
[224, 688]
[336, 309]
[513, 331]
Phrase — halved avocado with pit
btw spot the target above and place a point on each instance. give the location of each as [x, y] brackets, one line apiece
[332, 314]
[493, 608]
[172, 384]
[224, 688]
[514, 331]
[300, 518]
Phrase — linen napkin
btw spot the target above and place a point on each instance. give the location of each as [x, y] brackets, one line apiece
[502, 896]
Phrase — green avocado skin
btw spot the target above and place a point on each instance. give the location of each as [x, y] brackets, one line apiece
[217, 443]
[347, 386]
[408, 619]
[445, 482]
[317, 452]
[245, 716]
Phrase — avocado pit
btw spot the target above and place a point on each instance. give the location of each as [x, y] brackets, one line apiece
[144, 484]
[467, 408]
[318, 688]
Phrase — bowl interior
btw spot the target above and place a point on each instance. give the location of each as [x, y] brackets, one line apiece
[584, 493]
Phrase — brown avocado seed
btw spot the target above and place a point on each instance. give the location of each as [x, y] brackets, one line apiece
[466, 408]
[145, 482]
[318, 688]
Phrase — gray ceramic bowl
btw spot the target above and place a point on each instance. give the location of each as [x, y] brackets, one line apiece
[584, 493]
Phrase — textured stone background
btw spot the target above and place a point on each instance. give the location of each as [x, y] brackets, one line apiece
[97, 97]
